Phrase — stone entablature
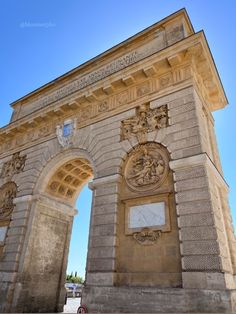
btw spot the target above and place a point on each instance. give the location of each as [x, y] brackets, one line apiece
[153, 39]
[152, 77]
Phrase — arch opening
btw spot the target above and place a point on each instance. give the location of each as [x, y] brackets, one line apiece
[69, 184]
[49, 235]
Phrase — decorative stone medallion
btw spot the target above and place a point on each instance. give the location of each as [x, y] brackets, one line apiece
[147, 236]
[13, 166]
[146, 167]
[7, 195]
[65, 133]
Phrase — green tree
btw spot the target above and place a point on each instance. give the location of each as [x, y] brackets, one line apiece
[74, 278]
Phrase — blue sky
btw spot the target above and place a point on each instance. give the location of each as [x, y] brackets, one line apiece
[42, 39]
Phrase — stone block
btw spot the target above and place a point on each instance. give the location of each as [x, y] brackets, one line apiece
[183, 108]
[193, 183]
[110, 155]
[185, 143]
[207, 247]
[7, 276]
[102, 252]
[16, 231]
[201, 262]
[202, 219]
[154, 300]
[105, 209]
[11, 257]
[20, 214]
[14, 247]
[8, 266]
[18, 223]
[106, 189]
[101, 264]
[104, 219]
[102, 241]
[14, 239]
[194, 207]
[183, 117]
[104, 230]
[203, 280]
[185, 133]
[100, 279]
[187, 152]
[192, 195]
[198, 233]
[113, 163]
[107, 199]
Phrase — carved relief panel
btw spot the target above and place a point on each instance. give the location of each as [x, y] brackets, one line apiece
[13, 166]
[146, 120]
[146, 167]
[7, 195]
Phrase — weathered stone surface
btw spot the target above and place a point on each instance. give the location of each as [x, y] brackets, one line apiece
[125, 299]
[136, 120]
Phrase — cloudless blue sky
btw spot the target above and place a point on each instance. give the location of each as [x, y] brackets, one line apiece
[73, 31]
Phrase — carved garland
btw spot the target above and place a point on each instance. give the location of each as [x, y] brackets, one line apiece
[147, 236]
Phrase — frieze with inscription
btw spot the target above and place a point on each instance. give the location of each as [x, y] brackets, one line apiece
[146, 120]
[13, 166]
[83, 81]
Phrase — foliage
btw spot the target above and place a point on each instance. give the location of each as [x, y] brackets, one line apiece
[74, 278]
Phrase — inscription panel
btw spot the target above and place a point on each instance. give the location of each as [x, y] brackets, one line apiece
[83, 81]
[147, 215]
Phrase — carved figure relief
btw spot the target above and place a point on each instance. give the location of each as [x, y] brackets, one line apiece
[7, 195]
[143, 89]
[13, 166]
[146, 168]
[103, 106]
[147, 236]
[65, 133]
[146, 120]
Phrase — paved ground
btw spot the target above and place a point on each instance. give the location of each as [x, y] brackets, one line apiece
[72, 305]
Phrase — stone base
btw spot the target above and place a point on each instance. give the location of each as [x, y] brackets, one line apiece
[154, 300]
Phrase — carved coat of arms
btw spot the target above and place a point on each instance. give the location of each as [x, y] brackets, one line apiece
[146, 120]
[65, 133]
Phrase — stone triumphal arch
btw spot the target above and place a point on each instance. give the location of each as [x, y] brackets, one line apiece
[136, 122]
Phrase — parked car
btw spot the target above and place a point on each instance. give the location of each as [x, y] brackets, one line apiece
[73, 289]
